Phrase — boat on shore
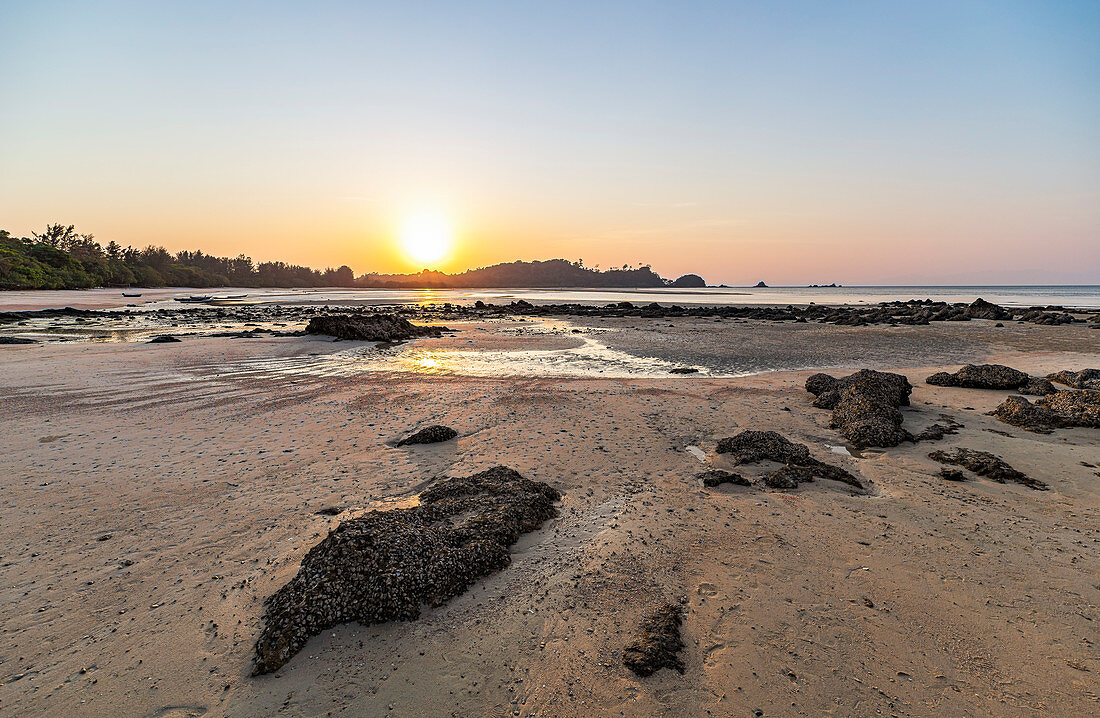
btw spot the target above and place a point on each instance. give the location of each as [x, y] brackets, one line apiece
[131, 294]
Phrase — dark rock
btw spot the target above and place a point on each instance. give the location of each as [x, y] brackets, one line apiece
[684, 370]
[163, 339]
[688, 281]
[659, 643]
[386, 565]
[1084, 379]
[760, 285]
[988, 465]
[17, 340]
[369, 327]
[788, 477]
[1036, 386]
[429, 435]
[981, 309]
[1062, 409]
[865, 405]
[952, 474]
[330, 511]
[715, 477]
[749, 447]
[829, 389]
[981, 376]
[937, 431]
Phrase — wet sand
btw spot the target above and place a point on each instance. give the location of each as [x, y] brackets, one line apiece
[155, 495]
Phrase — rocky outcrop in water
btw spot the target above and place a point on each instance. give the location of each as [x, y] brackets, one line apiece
[981, 309]
[981, 376]
[1062, 409]
[749, 447]
[163, 339]
[369, 327]
[988, 465]
[689, 281]
[17, 340]
[429, 435]
[865, 405]
[386, 565]
[659, 643]
[1084, 379]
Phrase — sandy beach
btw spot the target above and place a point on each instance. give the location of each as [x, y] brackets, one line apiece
[156, 495]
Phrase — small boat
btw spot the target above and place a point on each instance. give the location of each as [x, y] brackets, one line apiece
[131, 294]
[194, 299]
[234, 296]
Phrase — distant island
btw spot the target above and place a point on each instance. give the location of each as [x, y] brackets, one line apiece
[62, 258]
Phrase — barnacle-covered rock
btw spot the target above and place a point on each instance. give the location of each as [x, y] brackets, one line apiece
[1058, 410]
[988, 465]
[369, 327]
[386, 565]
[865, 405]
[429, 435]
[1037, 386]
[749, 447]
[981, 376]
[659, 643]
[1084, 379]
[716, 477]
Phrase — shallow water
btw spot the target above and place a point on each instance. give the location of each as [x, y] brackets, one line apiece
[1084, 296]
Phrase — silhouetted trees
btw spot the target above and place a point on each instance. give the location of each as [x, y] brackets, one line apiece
[62, 258]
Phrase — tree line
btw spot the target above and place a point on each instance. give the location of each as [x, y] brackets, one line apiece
[62, 258]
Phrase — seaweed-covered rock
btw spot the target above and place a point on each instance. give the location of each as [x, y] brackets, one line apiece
[988, 465]
[749, 447]
[716, 477]
[429, 435]
[981, 376]
[369, 327]
[1084, 379]
[659, 643]
[1058, 410]
[386, 565]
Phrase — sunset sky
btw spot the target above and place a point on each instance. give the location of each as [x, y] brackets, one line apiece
[855, 142]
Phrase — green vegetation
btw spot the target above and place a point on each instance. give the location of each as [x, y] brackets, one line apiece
[62, 258]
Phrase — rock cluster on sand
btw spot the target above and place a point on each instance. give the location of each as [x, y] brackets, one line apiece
[659, 643]
[717, 477]
[1061, 409]
[387, 564]
[1084, 379]
[981, 376]
[369, 327]
[749, 447]
[429, 435]
[988, 465]
[865, 405]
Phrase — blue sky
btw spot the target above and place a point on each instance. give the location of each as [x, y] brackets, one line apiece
[798, 142]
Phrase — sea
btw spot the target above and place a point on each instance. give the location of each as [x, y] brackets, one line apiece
[1069, 296]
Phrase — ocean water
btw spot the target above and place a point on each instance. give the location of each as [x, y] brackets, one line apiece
[1070, 296]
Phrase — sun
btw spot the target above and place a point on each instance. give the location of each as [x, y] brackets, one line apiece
[426, 237]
